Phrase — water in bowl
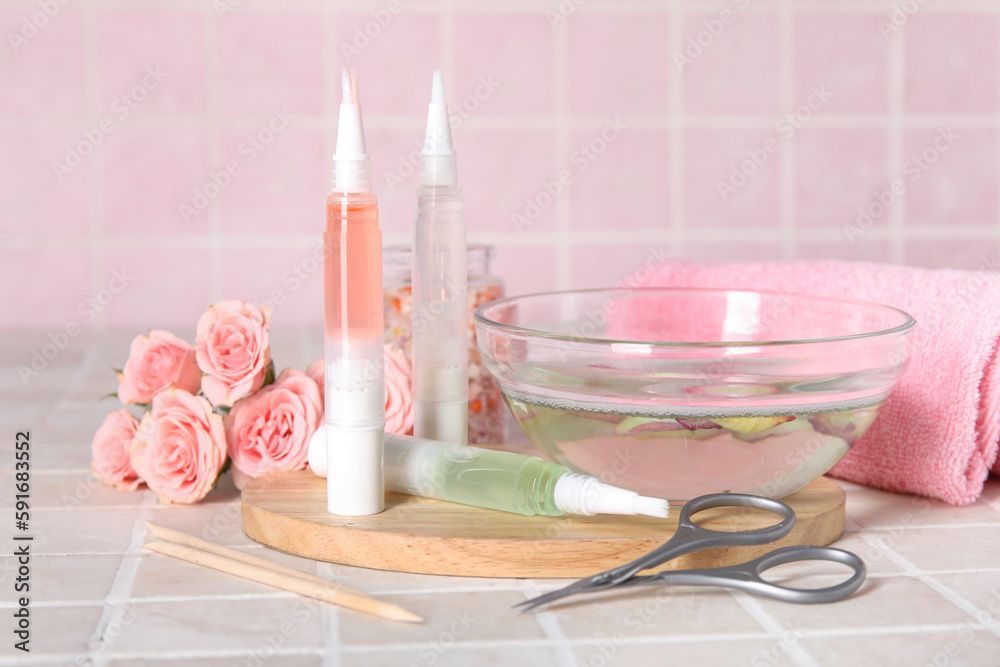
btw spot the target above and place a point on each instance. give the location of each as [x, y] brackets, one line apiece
[679, 454]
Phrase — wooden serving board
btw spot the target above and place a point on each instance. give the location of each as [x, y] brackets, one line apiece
[287, 511]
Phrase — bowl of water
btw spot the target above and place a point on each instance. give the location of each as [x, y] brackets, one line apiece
[675, 393]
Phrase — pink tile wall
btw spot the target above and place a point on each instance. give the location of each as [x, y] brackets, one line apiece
[206, 180]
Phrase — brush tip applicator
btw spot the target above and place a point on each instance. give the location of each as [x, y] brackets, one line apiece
[351, 165]
[437, 159]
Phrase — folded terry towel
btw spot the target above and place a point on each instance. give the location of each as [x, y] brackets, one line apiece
[938, 433]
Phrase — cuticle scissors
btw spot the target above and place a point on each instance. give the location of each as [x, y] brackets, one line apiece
[691, 537]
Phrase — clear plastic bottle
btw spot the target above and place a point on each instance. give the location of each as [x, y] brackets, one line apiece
[487, 411]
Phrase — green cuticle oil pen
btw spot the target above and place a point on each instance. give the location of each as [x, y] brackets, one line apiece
[495, 480]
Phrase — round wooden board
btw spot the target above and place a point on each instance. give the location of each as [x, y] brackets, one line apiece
[287, 511]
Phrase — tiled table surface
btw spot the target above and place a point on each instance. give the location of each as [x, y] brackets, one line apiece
[932, 597]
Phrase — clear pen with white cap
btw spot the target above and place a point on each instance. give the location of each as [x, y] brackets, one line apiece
[493, 479]
[440, 311]
[354, 353]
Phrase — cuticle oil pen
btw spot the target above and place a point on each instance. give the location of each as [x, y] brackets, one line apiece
[354, 352]
[440, 311]
[494, 479]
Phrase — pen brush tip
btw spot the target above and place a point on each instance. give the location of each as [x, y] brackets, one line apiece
[437, 88]
[350, 78]
[652, 507]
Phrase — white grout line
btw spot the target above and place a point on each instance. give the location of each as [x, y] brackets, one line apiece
[215, 268]
[934, 526]
[895, 78]
[331, 89]
[993, 625]
[94, 165]
[794, 650]
[703, 120]
[696, 233]
[591, 6]
[447, 43]
[330, 622]
[675, 116]
[375, 590]
[550, 625]
[560, 94]
[188, 655]
[787, 171]
[119, 597]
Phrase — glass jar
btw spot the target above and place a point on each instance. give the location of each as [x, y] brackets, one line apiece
[487, 411]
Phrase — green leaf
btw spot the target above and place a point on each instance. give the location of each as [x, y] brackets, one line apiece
[268, 374]
[221, 409]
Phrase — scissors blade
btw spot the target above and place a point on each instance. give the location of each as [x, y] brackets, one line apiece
[596, 582]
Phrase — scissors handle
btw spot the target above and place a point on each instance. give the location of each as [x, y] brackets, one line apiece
[691, 537]
[746, 576]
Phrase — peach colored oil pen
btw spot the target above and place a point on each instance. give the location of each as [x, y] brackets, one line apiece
[355, 384]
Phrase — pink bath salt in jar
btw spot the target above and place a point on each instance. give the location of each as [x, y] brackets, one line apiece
[487, 411]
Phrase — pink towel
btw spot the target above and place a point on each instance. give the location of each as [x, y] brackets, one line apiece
[938, 433]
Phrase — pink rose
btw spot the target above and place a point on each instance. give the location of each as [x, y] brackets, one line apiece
[398, 392]
[233, 350]
[317, 371]
[110, 461]
[269, 430]
[180, 447]
[157, 362]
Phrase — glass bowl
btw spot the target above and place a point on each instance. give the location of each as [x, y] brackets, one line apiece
[675, 393]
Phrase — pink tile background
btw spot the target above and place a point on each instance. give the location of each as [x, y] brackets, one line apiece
[528, 88]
